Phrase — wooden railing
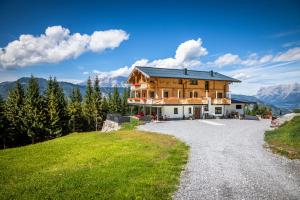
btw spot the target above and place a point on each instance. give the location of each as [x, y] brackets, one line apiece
[221, 101]
[138, 86]
[171, 100]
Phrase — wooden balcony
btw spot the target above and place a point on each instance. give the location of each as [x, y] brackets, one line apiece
[221, 101]
[168, 101]
[138, 86]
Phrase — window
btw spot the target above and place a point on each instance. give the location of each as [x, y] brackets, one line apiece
[193, 82]
[191, 94]
[238, 107]
[196, 94]
[144, 95]
[218, 110]
[206, 108]
[219, 95]
[152, 94]
[166, 94]
[179, 81]
[206, 85]
[190, 110]
[175, 111]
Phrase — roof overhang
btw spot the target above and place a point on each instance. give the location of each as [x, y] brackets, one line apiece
[137, 69]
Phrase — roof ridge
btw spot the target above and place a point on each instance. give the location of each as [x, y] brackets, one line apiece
[175, 69]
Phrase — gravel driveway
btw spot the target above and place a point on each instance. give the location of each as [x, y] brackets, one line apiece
[228, 161]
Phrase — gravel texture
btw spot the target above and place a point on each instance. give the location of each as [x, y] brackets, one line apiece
[228, 161]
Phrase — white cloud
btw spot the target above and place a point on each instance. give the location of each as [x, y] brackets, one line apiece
[227, 59]
[57, 44]
[253, 59]
[187, 54]
[101, 40]
[85, 73]
[290, 55]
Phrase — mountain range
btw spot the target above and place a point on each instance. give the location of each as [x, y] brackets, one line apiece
[283, 96]
[279, 97]
[67, 87]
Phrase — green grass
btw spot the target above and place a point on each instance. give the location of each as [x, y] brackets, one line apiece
[127, 164]
[286, 139]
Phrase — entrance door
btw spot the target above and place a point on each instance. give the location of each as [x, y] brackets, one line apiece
[197, 111]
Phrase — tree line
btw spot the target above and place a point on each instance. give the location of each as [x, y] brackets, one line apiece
[29, 116]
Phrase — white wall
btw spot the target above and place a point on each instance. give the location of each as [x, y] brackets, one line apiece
[211, 109]
[232, 108]
[169, 111]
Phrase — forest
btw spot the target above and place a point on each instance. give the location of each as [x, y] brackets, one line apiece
[28, 116]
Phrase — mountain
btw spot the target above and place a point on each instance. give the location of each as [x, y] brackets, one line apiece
[275, 110]
[108, 82]
[67, 87]
[282, 96]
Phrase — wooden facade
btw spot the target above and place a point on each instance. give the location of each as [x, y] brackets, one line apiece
[176, 91]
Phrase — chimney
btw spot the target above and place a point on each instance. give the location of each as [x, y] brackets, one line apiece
[211, 73]
[185, 71]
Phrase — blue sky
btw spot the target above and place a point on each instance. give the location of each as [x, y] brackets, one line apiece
[255, 41]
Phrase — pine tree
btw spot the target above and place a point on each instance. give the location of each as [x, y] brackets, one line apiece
[88, 105]
[97, 105]
[116, 102]
[124, 106]
[3, 125]
[34, 115]
[14, 113]
[57, 109]
[75, 110]
[105, 107]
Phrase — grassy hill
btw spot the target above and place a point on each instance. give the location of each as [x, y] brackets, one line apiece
[127, 164]
[286, 139]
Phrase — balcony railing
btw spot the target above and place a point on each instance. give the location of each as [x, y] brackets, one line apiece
[171, 100]
[138, 86]
[221, 101]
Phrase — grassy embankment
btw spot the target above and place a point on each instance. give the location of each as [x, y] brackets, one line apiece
[286, 139]
[127, 164]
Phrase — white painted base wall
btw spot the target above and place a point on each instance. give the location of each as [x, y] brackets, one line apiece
[232, 108]
[212, 109]
[168, 111]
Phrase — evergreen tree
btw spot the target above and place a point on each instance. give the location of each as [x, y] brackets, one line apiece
[3, 125]
[125, 107]
[88, 105]
[14, 113]
[75, 110]
[34, 115]
[105, 107]
[116, 102]
[97, 105]
[57, 109]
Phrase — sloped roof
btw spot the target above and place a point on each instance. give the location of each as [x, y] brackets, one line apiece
[242, 101]
[179, 73]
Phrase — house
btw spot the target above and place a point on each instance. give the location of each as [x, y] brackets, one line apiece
[180, 93]
[238, 106]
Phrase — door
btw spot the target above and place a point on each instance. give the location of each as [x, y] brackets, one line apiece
[197, 111]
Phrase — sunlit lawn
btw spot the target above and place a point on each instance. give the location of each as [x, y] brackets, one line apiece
[286, 139]
[127, 164]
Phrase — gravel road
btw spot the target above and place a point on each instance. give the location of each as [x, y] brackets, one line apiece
[228, 161]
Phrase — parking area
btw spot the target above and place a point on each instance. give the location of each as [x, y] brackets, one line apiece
[228, 161]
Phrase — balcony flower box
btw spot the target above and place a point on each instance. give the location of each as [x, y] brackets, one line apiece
[136, 84]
